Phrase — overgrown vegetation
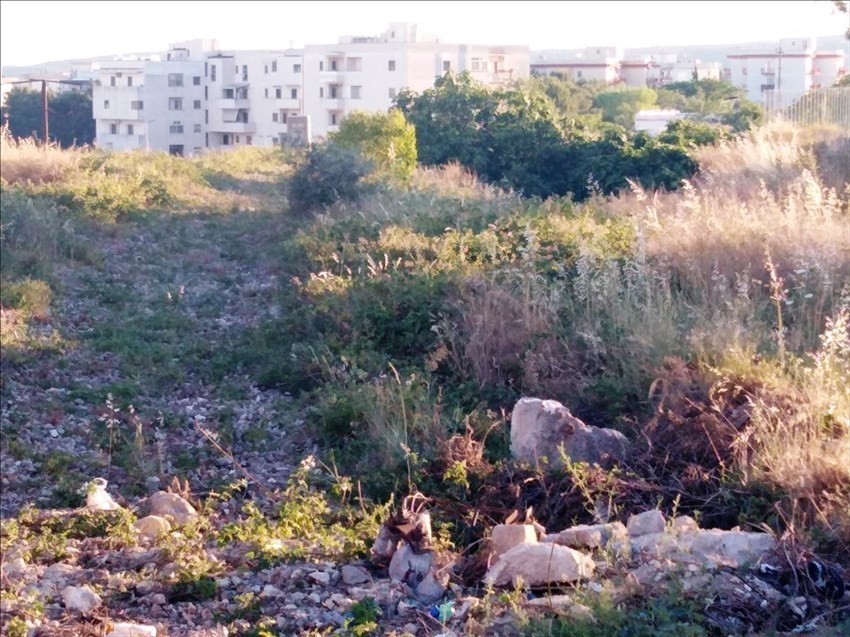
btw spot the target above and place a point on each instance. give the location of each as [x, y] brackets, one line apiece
[694, 294]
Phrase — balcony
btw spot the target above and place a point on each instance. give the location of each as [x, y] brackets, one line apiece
[234, 127]
[334, 103]
[331, 76]
[288, 103]
[231, 103]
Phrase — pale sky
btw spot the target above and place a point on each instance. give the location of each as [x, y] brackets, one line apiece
[38, 31]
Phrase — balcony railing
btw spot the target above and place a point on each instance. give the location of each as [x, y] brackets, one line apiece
[234, 127]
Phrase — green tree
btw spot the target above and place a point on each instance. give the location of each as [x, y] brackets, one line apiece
[387, 139]
[70, 116]
[330, 173]
[621, 106]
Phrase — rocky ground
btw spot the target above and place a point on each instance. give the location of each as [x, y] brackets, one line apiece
[132, 379]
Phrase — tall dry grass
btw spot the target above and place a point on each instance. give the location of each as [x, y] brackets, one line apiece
[26, 161]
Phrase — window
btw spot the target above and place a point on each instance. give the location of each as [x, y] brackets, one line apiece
[206, 117]
[392, 93]
[578, 75]
[212, 73]
[176, 128]
[175, 104]
[447, 66]
[283, 118]
[129, 80]
[112, 80]
[321, 65]
[249, 139]
[274, 66]
[176, 149]
[175, 79]
[333, 65]
[391, 65]
[196, 128]
[278, 93]
[106, 104]
[274, 117]
[225, 139]
[196, 80]
[266, 69]
[293, 93]
[113, 129]
[321, 92]
[476, 64]
[332, 119]
[353, 64]
[267, 92]
[196, 104]
[244, 72]
[355, 92]
[129, 129]
[334, 91]
[137, 105]
[206, 92]
[296, 68]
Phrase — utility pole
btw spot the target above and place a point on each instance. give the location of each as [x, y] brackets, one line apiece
[44, 118]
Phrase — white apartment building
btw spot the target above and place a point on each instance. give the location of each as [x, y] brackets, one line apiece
[791, 69]
[600, 64]
[153, 105]
[201, 97]
[366, 73]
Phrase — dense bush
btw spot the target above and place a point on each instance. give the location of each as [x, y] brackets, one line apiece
[386, 139]
[330, 173]
[514, 138]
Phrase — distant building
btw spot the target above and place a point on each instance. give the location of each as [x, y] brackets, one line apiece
[366, 73]
[601, 64]
[655, 121]
[788, 71]
[201, 97]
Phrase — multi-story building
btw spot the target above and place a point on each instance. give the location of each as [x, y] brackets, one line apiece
[366, 73]
[601, 64]
[787, 71]
[202, 97]
[151, 104]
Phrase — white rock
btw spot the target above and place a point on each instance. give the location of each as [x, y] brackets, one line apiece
[507, 536]
[13, 567]
[589, 536]
[97, 499]
[123, 629]
[80, 598]
[646, 523]
[409, 567]
[539, 564]
[352, 575]
[685, 524]
[320, 577]
[172, 506]
[152, 526]
[270, 592]
[540, 427]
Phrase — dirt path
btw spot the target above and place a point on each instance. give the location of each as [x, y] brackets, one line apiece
[154, 323]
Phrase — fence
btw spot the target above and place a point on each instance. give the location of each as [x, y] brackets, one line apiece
[818, 106]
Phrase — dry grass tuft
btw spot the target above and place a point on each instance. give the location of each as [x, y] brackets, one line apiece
[26, 161]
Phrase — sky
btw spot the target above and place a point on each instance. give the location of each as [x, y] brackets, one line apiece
[32, 31]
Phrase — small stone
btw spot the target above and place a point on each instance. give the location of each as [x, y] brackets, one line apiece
[123, 629]
[97, 499]
[646, 523]
[172, 506]
[352, 575]
[315, 598]
[152, 526]
[158, 599]
[80, 598]
[320, 577]
[270, 591]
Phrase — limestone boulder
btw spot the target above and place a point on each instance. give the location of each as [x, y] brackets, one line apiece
[80, 598]
[152, 526]
[589, 536]
[539, 564]
[171, 506]
[540, 427]
[507, 536]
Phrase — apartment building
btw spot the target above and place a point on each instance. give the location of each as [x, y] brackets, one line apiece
[201, 97]
[787, 71]
[151, 104]
[601, 64]
[366, 73]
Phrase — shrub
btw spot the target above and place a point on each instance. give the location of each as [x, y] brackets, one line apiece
[330, 174]
[387, 139]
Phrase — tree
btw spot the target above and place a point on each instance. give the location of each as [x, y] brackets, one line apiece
[621, 106]
[387, 139]
[331, 173]
[70, 116]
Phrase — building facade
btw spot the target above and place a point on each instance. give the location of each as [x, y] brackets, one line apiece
[785, 73]
[201, 97]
